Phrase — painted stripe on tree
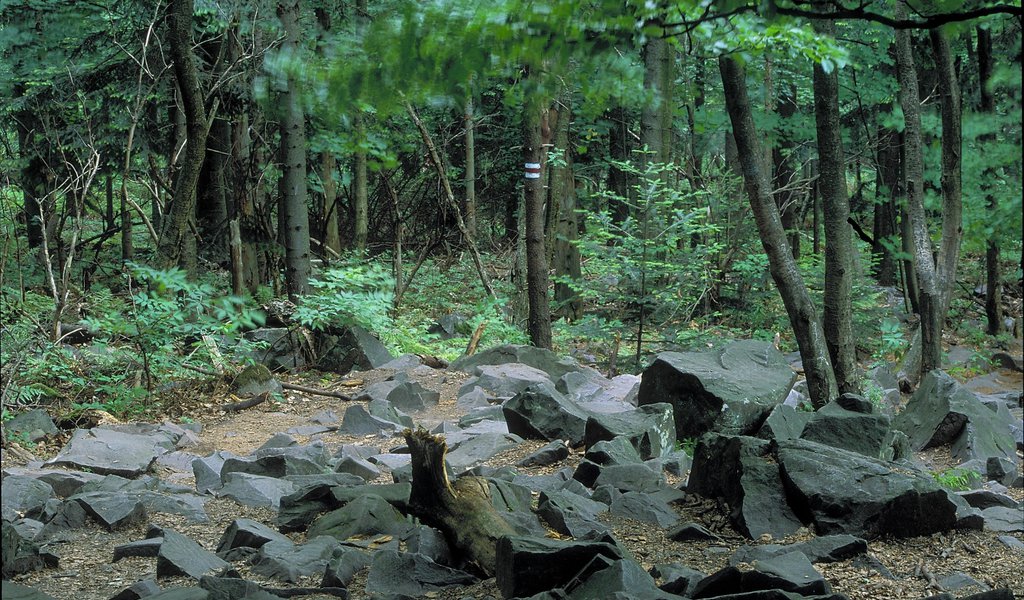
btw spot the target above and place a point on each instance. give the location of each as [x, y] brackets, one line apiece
[532, 170]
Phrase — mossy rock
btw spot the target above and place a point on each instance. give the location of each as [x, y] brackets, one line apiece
[255, 379]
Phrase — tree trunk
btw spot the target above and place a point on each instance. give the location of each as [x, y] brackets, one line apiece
[360, 194]
[539, 320]
[464, 512]
[888, 192]
[332, 236]
[212, 195]
[785, 174]
[34, 174]
[243, 206]
[803, 315]
[838, 313]
[127, 247]
[656, 119]
[565, 255]
[993, 284]
[469, 205]
[295, 214]
[560, 178]
[930, 299]
[177, 244]
[619, 151]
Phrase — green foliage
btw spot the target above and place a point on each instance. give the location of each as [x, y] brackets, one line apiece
[353, 293]
[956, 479]
[892, 343]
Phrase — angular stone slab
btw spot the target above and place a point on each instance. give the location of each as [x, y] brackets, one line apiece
[748, 376]
[790, 572]
[248, 534]
[571, 514]
[649, 428]
[603, 577]
[643, 507]
[539, 358]
[289, 562]
[530, 565]
[866, 434]
[505, 381]
[255, 490]
[107, 452]
[34, 424]
[547, 455]
[112, 510]
[16, 591]
[480, 449]
[542, 412]
[411, 574]
[823, 549]
[21, 555]
[23, 497]
[366, 515]
[179, 555]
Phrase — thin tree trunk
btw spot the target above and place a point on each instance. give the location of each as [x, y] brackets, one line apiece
[884, 229]
[539, 319]
[803, 316]
[619, 152]
[993, 284]
[470, 180]
[930, 299]
[361, 202]
[177, 245]
[295, 214]
[838, 311]
[656, 119]
[785, 173]
[560, 179]
[565, 255]
[332, 236]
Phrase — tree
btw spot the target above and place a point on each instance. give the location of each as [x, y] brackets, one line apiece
[803, 315]
[993, 285]
[838, 313]
[293, 211]
[539, 320]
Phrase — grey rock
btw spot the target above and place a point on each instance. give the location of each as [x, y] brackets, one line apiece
[22, 496]
[650, 429]
[982, 499]
[343, 566]
[144, 548]
[428, 542]
[255, 490]
[137, 590]
[63, 482]
[943, 412]
[474, 398]
[449, 326]
[279, 440]
[959, 581]
[357, 421]
[289, 562]
[631, 478]
[483, 414]
[358, 467]
[282, 349]
[391, 461]
[20, 555]
[529, 565]
[688, 532]
[16, 591]
[784, 423]
[1004, 520]
[354, 347]
[404, 362]
[1001, 469]
[181, 593]
[616, 451]
[748, 377]
[677, 578]
[823, 549]
[790, 572]
[180, 555]
[207, 471]
[233, 588]
[112, 510]
[642, 507]
[479, 449]
[108, 452]
[505, 380]
[888, 500]
[604, 577]
[547, 455]
[366, 515]
[33, 424]
[410, 574]
[246, 533]
[570, 514]
[403, 393]
[1012, 543]
[538, 358]
[754, 489]
[542, 412]
[836, 426]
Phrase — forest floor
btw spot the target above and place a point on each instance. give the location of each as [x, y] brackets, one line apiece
[86, 572]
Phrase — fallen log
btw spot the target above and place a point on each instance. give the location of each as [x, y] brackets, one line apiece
[462, 511]
[251, 402]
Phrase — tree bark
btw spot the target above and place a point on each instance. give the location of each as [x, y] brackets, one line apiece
[469, 205]
[619, 151]
[464, 512]
[888, 191]
[361, 202]
[565, 255]
[332, 236]
[838, 311]
[539, 319]
[177, 245]
[785, 196]
[803, 315]
[993, 284]
[294, 213]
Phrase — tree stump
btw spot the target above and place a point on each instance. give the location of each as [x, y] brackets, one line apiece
[463, 511]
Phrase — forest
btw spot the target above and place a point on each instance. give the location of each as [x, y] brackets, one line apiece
[611, 181]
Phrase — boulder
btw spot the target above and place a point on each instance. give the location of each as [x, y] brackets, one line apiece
[403, 393]
[347, 561]
[886, 500]
[16, 591]
[64, 483]
[822, 549]
[33, 425]
[234, 588]
[505, 381]
[650, 429]
[835, 425]
[677, 578]
[622, 579]
[107, 452]
[358, 421]
[529, 565]
[1003, 519]
[943, 412]
[450, 326]
[282, 348]
[112, 510]
[289, 562]
[22, 496]
[366, 515]
[644, 507]
[246, 533]
[20, 554]
[542, 412]
[614, 451]
[255, 490]
[410, 574]
[547, 455]
[480, 448]
[790, 572]
[538, 358]
[784, 423]
[340, 351]
[179, 555]
[730, 389]
[571, 514]
[753, 488]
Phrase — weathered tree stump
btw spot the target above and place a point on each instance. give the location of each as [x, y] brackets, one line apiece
[464, 512]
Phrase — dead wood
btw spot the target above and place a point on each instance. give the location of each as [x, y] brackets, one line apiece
[315, 391]
[475, 340]
[251, 402]
[464, 512]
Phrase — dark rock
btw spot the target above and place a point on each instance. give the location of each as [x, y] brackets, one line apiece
[753, 489]
[449, 326]
[784, 423]
[790, 572]
[677, 578]
[982, 499]
[359, 467]
[357, 421]
[750, 377]
[16, 591]
[547, 455]
[402, 393]
[112, 510]
[959, 580]
[1012, 543]
[34, 425]
[289, 562]
[474, 398]
[20, 555]
[616, 451]
[23, 497]
[366, 515]
[108, 452]
[630, 478]
[70, 515]
[207, 471]
[181, 593]
[180, 555]
[480, 449]
[354, 347]
[542, 412]
[279, 440]
[411, 574]
[604, 577]
[344, 565]
[233, 588]
[529, 565]
[688, 532]
[855, 403]
[138, 590]
[283, 348]
[835, 426]
[889, 500]
[64, 483]
[650, 429]
[396, 494]
[642, 507]
[428, 542]
[1000, 594]
[248, 534]
[570, 514]
[255, 490]
[823, 549]
[944, 412]
[1004, 520]
[538, 358]
[1001, 469]
[404, 362]
[505, 381]
[144, 548]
